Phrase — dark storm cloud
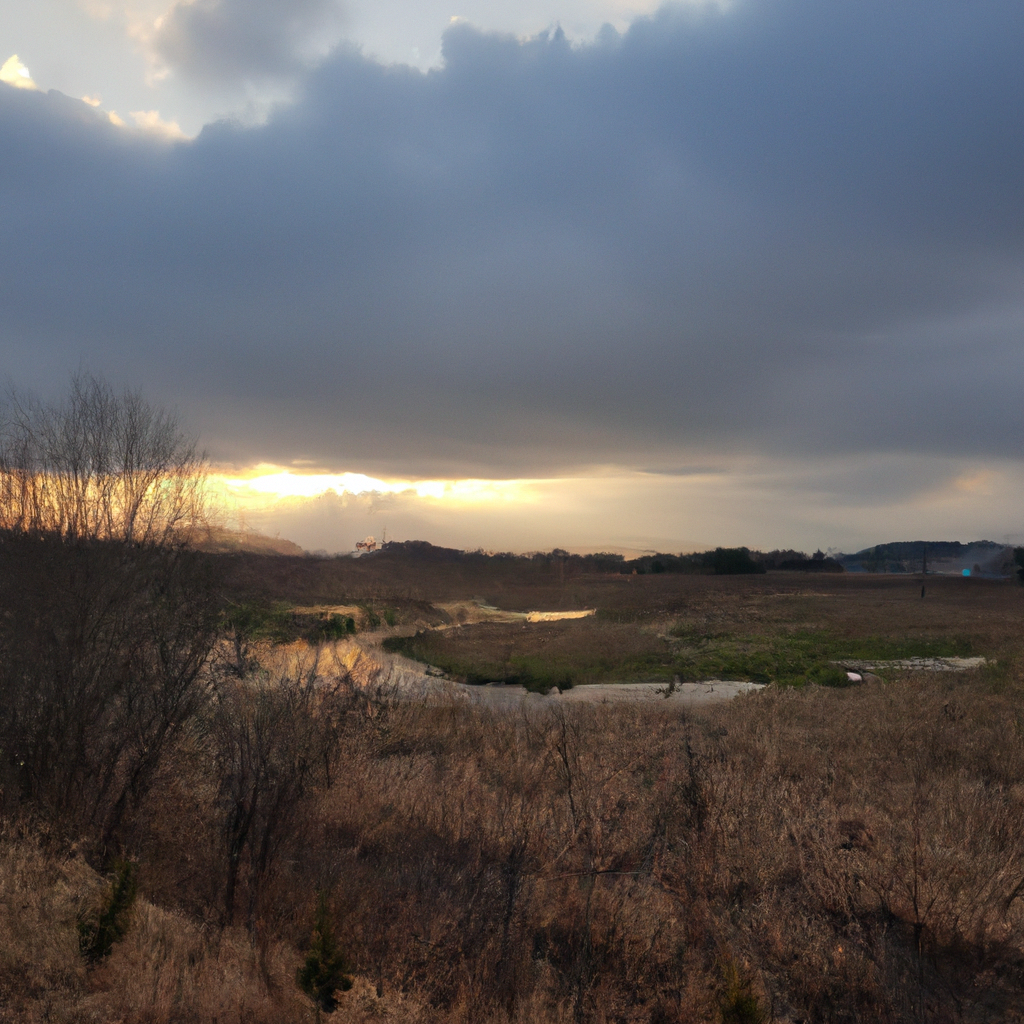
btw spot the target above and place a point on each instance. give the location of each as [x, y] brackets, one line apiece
[786, 227]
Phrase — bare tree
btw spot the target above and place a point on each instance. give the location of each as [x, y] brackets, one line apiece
[274, 739]
[99, 464]
[106, 618]
[102, 648]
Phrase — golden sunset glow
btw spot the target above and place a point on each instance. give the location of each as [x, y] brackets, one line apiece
[979, 481]
[269, 484]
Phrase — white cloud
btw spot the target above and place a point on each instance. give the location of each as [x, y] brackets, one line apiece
[151, 121]
[15, 73]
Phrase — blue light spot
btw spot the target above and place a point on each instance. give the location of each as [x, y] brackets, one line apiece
[967, 572]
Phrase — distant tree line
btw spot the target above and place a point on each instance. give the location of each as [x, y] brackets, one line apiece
[716, 562]
[796, 561]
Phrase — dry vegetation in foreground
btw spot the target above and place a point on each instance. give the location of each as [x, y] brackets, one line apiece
[813, 855]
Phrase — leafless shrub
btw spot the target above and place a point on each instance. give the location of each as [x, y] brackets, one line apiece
[274, 742]
[102, 647]
[106, 621]
[98, 465]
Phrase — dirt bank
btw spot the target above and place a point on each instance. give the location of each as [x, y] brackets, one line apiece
[654, 694]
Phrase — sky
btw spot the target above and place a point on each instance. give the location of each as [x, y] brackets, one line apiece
[598, 275]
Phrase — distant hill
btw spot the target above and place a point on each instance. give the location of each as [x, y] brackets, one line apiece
[219, 540]
[983, 558]
[980, 558]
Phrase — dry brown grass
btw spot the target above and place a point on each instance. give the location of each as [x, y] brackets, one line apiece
[854, 852]
[840, 855]
[861, 604]
[40, 967]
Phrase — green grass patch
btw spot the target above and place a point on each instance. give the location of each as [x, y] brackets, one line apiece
[786, 659]
[258, 620]
[332, 627]
[795, 659]
[534, 671]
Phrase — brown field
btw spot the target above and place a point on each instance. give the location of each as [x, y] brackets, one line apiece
[853, 605]
[805, 853]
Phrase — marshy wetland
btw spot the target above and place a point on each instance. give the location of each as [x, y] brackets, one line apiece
[547, 622]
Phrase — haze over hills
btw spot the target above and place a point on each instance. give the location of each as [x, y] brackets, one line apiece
[222, 540]
[980, 557]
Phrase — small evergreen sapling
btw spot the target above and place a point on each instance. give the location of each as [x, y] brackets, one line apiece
[98, 932]
[739, 1003]
[324, 971]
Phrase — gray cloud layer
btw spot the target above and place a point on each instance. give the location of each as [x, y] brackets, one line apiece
[786, 227]
[227, 42]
